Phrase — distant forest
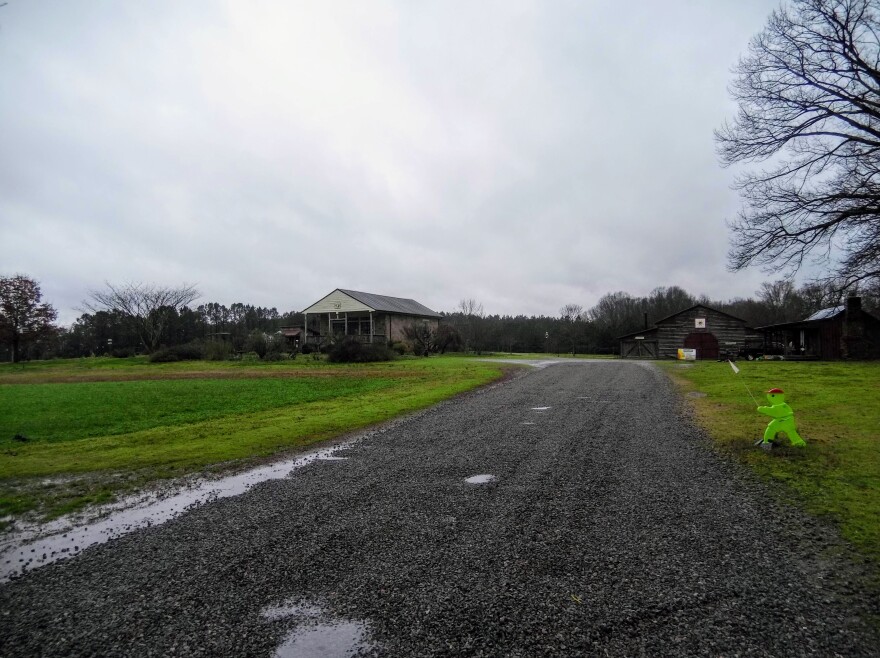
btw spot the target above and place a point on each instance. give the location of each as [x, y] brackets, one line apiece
[575, 330]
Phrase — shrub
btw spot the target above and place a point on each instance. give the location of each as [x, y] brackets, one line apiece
[308, 348]
[351, 350]
[187, 352]
[123, 352]
[164, 355]
[256, 342]
[218, 350]
[273, 355]
[401, 348]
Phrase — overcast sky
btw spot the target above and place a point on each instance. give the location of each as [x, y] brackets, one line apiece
[525, 154]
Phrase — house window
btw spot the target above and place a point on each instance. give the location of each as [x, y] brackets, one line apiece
[356, 326]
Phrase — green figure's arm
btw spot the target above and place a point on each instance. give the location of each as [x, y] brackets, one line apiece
[777, 411]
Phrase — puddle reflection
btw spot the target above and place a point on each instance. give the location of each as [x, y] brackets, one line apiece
[323, 641]
[317, 634]
[63, 538]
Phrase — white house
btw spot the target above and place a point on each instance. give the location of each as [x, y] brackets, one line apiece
[367, 316]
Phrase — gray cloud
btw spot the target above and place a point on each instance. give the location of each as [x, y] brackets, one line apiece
[527, 154]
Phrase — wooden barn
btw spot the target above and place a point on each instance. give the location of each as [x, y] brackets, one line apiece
[366, 316]
[712, 333]
[840, 332]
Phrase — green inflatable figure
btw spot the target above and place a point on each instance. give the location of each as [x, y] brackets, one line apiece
[783, 419]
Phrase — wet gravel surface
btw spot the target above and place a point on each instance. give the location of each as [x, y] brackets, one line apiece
[609, 529]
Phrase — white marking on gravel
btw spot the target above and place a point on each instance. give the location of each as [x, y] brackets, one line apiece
[484, 478]
[528, 422]
[540, 408]
[39, 545]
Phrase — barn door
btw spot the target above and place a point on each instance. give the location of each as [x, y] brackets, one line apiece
[705, 343]
[648, 349]
[640, 349]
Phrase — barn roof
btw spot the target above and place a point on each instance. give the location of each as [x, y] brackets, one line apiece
[691, 308]
[385, 304]
[641, 332]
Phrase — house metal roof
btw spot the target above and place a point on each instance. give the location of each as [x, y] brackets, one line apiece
[391, 304]
[826, 313]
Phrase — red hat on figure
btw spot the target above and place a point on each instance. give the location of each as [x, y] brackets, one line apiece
[776, 390]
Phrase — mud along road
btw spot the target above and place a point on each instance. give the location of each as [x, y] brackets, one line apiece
[608, 529]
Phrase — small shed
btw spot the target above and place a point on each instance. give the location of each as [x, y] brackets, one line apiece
[368, 317]
[295, 336]
[711, 332]
[838, 332]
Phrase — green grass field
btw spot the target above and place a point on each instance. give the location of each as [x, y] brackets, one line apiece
[90, 428]
[837, 411]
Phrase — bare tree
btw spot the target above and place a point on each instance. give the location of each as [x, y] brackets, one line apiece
[23, 319]
[447, 338]
[149, 306]
[571, 331]
[571, 313]
[664, 301]
[470, 307]
[472, 312]
[781, 300]
[422, 336]
[809, 104]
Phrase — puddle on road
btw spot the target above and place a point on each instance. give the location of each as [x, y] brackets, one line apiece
[338, 640]
[317, 634]
[484, 478]
[34, 547]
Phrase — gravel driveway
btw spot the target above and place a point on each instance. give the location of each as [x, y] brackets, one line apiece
[609, 529]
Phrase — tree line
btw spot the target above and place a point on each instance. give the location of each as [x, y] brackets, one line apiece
[124, 320]
[117, 324]
[596, 330]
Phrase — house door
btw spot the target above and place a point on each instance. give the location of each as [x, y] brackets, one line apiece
[705, 343]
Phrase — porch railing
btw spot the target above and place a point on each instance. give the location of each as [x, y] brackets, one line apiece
[318, 340]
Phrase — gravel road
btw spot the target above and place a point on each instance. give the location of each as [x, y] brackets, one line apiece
[610, 529]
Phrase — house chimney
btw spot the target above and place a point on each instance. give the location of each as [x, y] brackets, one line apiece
[853, 304]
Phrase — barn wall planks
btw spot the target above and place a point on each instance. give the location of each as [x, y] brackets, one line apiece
[671, 333]
[730, 332]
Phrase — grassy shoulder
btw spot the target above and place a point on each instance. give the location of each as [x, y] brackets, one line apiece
[89, 436]
[837, 411]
